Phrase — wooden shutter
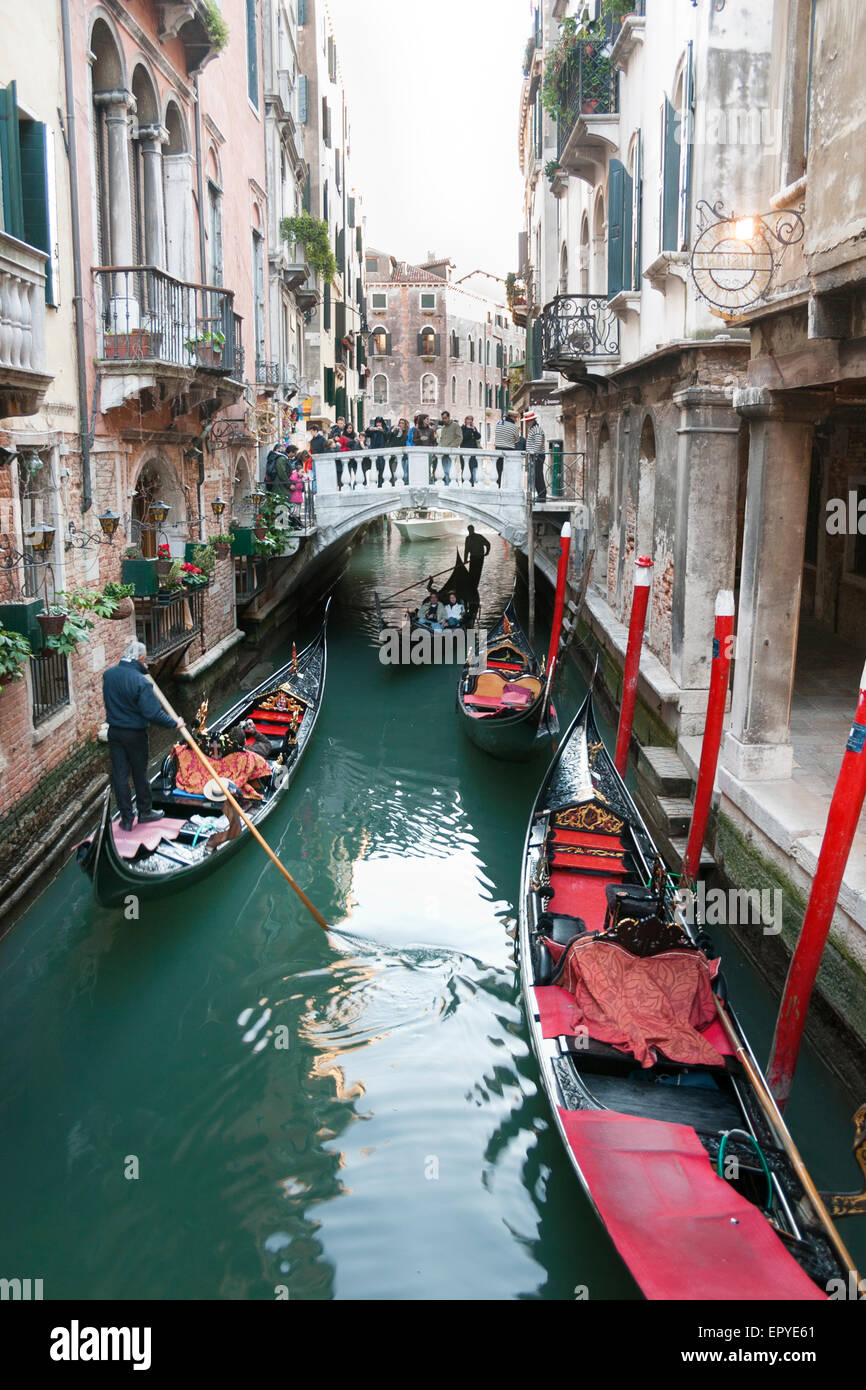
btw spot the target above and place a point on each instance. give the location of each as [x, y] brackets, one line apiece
[420, 345]
[34, 193]
[341, 249]
[388, 344]
[10, 162]
[637, 214]
[307, 193]
[329, 385]
[616, 212]
[685, 168]
[303, 98]
[341, 401]
[627, 239]
[360, 415]
[340, 319]
[436, 345]
[326, 308]
[359, 241]
[351, 212]
[252, 54]
[670, 178]
[302, 12]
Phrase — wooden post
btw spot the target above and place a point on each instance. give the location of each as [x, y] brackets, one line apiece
[845, 809]
[640, 598]
[721, 665]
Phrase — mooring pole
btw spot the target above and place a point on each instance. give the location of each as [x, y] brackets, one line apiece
[845, 809]
[719, 670]
[640, 598]
[530, 556]
[559, 600]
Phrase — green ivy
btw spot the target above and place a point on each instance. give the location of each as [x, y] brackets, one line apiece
[14, 651]
[312, 233]
[217, 29]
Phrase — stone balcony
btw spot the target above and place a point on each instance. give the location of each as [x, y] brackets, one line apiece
[24, 379]
[188, 21]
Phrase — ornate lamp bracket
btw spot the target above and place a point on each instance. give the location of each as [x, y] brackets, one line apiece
[735, 259]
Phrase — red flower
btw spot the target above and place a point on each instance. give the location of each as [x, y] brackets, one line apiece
[164, 552]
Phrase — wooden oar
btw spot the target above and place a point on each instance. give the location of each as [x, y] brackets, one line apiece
[211, 770]
[777, 1124]
[417, 584]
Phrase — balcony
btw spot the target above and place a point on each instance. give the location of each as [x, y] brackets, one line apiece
[23, 376]
[578, 330]
[188, 21]
[167, 625]
[251, 579]
[154, 327]
[298, 277]
[588, 125]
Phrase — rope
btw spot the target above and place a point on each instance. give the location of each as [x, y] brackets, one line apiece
[750, 1139]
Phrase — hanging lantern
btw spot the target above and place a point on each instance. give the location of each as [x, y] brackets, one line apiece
[109, 521]
[218, 506]
[257, 498]
[159, 511]
[41, 539]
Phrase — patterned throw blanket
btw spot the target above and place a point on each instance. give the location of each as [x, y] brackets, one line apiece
[241, 768]
[643, 1004]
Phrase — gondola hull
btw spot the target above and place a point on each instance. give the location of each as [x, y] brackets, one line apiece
[513, 736]
[646, 1129]
[174, 866]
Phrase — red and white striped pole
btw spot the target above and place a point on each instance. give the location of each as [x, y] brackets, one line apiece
[841, 827]
[640, 598]
[559, 601]
[719, 670]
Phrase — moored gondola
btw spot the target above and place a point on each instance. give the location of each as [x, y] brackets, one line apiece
[656, 1095]
[505, 706]
[194, 838]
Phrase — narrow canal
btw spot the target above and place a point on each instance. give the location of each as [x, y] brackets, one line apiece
[217, 1101]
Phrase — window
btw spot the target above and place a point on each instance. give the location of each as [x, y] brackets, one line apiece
[49, 673]
[428, 303]
[380, 389]
[619, 194]
[215, 233]
[428, 389]
[27, 173]
[481, 394]
[453, 390]
[252, 55]
[469, 393]
[488, 352]
[330, 385]
[259, 295]
[380, 343]
[326, 307]
[471, 348]
[633, 251]
[455, 344]
[676, 163]
[428, 343]
[326, 122]
[379, 301]
[303, 98]
[372, 265]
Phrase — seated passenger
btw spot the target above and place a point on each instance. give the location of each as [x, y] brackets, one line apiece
[432, 613]
[454, 611]
[253, 741]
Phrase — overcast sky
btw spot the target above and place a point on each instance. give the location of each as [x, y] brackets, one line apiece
[433, 91]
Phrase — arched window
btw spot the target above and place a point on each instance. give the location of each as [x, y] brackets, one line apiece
[148, 233]
[177, 195]
[598, 268]
[113, 233]
[471, 348]
[428, 343]
[563, 270]
[428, 389]
[469, 392]
[380, 342]
[157, 483]
[646, 490]
[481, 394]
[380, 389]
[488, 352]
[584, 255]
[214, 219]
[453, 390]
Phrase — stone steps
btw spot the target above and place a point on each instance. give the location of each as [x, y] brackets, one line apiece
[665, 792]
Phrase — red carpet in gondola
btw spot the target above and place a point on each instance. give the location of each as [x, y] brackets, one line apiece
[683, 1232]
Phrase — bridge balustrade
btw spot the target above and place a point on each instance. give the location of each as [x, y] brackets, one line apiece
[416, 468]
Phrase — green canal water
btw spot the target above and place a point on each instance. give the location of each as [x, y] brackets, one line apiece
[354, 1117]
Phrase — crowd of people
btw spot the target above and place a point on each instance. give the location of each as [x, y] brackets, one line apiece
[289, 469]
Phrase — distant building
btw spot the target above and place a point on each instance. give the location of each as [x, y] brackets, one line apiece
[436, 343]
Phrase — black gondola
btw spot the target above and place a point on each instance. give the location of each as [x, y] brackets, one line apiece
[175, 855]
[460, 584]
[505, 708]
[685, 1162]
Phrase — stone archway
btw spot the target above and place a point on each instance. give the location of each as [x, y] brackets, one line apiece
[158, 482]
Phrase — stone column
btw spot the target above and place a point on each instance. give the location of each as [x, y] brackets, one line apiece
[118, 105]
[179, 229]
[151, 139]
[781, 427]
[704, 530]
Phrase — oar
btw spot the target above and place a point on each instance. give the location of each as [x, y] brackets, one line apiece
[777, 1124]
[206, 763]
[417, 584]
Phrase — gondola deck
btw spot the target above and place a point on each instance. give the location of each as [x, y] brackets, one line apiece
[605, 956]
[171, 854]
[504, 709]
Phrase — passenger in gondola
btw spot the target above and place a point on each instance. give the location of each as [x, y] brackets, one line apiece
[454, 611]
[432, 613]
[253, 741]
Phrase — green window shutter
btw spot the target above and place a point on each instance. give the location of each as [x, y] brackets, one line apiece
[252, 54]
[686, 135]
[436, 345]
[10, 162]
[303, 98]
[627, 241]
[388, 344]
[341, 401]
[637, 214]
[326, 308]
[670, 178]
[325, 200]
[307, 193]
[351, 212]
[302, 13]
[537, 365]
[329, 385]
[615, 218]
[34, 193]
[360, 415]
[359, 241]
[341, 249]
[420, 346]
[340, 319]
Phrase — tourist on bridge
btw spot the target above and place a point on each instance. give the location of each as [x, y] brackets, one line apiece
[348, 441]
[130, 706]
[471, 440]
[505, 437]
[536, 445]
[474, 552]
[278, 467]
[377, 438]
[450, 437]
[399, 439]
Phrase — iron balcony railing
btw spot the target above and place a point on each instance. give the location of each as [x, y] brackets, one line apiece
[50, 676]
[251, 579]
[588, 85]
[556, 476]
[268, 374]
[577, 328]
[148, 315]
[167, 625]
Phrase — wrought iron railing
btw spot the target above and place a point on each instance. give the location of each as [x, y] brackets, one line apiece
[576, 328]
[588, 85]
[560, 477]
[148, 315]
[165, 625]
[251, 579]
[268, 374]
[49, 673]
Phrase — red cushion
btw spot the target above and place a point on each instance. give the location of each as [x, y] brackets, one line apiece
[274, 716]
[578, 895]
[593, 863]
[585, 837]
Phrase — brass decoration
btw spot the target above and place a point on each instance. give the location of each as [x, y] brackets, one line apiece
[589, 817]
[201, 717]
[852, 1203]
[591, 851]
[593, 749]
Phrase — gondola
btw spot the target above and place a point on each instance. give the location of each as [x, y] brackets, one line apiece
[505, 708]
[459, 583]
[660, 1114]
[171, 854]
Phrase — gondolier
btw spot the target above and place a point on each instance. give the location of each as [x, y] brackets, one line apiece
[130, 707]
[474, 552]
[536, 445]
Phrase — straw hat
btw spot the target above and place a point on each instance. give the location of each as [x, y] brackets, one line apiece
[213, 791]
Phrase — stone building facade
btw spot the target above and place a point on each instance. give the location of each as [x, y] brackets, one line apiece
[436, 343]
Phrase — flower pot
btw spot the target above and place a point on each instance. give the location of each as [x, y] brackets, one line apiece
[163, 568]
[125, 609]
[127, 346]
[52, 624]
[221, 550]
[260, 532]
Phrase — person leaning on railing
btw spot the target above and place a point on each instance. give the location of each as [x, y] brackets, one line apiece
[505, 438]
[535, 448]
[471, 440]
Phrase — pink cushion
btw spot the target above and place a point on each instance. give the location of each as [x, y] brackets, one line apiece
[516, 695]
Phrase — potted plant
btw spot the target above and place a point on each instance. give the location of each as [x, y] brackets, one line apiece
[172, 584]
[14, 651]
[53, 620]
[222, 545]
[260, 529]
[121, 595]
[312, 233]
[76, 629]
[138, 572]
[163, 561]
[207, 347]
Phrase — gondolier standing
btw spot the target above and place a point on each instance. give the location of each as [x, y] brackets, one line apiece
[130, 706]
[535, 448]
[474, 551]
